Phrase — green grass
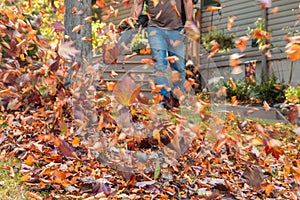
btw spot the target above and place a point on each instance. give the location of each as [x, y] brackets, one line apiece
[11, 187]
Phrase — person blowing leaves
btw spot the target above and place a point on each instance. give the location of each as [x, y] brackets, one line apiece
[166, 40]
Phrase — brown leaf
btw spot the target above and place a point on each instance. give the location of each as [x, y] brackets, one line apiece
[58, 26]
[253, 175]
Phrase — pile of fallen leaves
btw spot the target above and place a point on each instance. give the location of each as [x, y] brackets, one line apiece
[79, 143]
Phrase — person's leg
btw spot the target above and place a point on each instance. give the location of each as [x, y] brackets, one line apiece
[158, 46]
[176, 48]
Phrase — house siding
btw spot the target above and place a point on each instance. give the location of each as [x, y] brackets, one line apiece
[247, 12]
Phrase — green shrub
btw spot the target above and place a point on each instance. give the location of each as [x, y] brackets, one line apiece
[292, 94]
[271, 91]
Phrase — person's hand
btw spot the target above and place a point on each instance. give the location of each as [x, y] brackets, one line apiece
[192, 31]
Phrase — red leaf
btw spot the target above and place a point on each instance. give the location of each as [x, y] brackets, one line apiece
[272, 146]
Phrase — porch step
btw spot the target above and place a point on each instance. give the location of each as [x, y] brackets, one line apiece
[141, 72]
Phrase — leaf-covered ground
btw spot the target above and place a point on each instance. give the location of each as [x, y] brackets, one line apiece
[75, 142]
[244, 159]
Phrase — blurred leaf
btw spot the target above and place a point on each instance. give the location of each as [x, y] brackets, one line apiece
[67, 51]
[58, 26]
[126, 95]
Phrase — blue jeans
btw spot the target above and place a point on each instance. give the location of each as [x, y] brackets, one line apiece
[165, 43]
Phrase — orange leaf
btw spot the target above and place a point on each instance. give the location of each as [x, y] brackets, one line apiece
[233, 86]
[176, 11]
[268, 188]
[29, 160]
[77, 28]
[74, 10]
[34, 196]
[126, 3]
[157, 98]
[110, 85]
[101, 3]
[230, 22]
[241, 43]
[147, 61]
[76, 141]
[293, 51]
[213, 8]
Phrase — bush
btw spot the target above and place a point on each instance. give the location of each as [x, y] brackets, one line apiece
[271, 91]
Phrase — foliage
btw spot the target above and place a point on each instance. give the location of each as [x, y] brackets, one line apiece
[271, 91]
[292, 94]
[225, 40]
[139, 42]
[98, 36]
[49, 11]
[243, 91]
[259, 33]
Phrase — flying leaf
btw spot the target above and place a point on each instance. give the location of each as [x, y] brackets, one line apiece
[113, 74]
[213, 8]
[155, 2]
[147, 61]
[275, 10]
[172, 59]
[176, 11]
[266, 106]
[67, 51]
[233, 86]
[101, 3]
[265, 3]
[126, 95]
[58, 26]
[126, 3]
[293, 51]
[110, 54]
[230, 22]
[192, 31]
[241, 43]
[77, 28]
